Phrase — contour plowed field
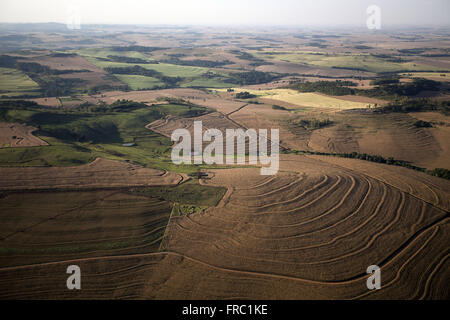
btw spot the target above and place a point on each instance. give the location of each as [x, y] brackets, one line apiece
[309, 232]
[99, 173]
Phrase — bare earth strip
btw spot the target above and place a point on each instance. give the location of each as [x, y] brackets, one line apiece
[101, 173]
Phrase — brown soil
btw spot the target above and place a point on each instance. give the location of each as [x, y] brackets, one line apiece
[18, 135]
[101, 173]
[310, 232]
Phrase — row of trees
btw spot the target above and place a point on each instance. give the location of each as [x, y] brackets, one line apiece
[405, 104]
[333, 88]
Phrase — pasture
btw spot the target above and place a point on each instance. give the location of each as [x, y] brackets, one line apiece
[351, 61]
[14, 83]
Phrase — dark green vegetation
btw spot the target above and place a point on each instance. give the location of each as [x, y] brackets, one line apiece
[378, 82]
[143, 49]
[442, 173]
[129, 59]
[254, 77]
[438, 172]
[312, 124]
[386, 88]
[392, 89]
[415, 105]
[255, 61]
[276, 107]
[189, 193]
[333, 88]
[422, 124]
[80, 135]
[138, 70]
[245, 95]
[196, 62]
[47, 79]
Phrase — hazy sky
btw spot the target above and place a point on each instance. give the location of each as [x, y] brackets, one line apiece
[227, 12]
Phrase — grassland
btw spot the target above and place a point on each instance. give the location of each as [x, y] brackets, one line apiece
[14, 82]
[166, 69]
[105, 52]
[440, 76]
[189, 193]
[193, 76]
[136, 82]
[351, 61]
[78, 137]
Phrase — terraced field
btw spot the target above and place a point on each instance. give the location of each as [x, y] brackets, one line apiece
[100, 173]
[309, 232]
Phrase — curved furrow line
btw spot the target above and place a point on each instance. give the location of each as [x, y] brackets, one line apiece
[290, 184]
[421, 217]
[143, 235]
[195, 232]
[359, 277]
[435, 195]
[217, 217]
[386, 262]
[407, 261]
[341, 236]
[265, 182]
[431, 275]
[102, 251]
[296, 209]
[355, 212]
[323, 243]
[422, 276]
[294, 224]
[282, 180]
[221, 229]
[316, 186]
[173, 253]
[381, 179]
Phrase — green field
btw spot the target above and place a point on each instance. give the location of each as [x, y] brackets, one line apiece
[78, 137]
[14, 82]
[170, 70]
[193, 76]
[442, 76]
[105, 52]
[189, 193]
[353, 61]
[136, 82]
[207, 83]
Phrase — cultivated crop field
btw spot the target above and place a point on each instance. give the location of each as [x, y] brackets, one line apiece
[355, 61]
[87, 176]
[306, 99]
[13, 82]
[311, 228]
